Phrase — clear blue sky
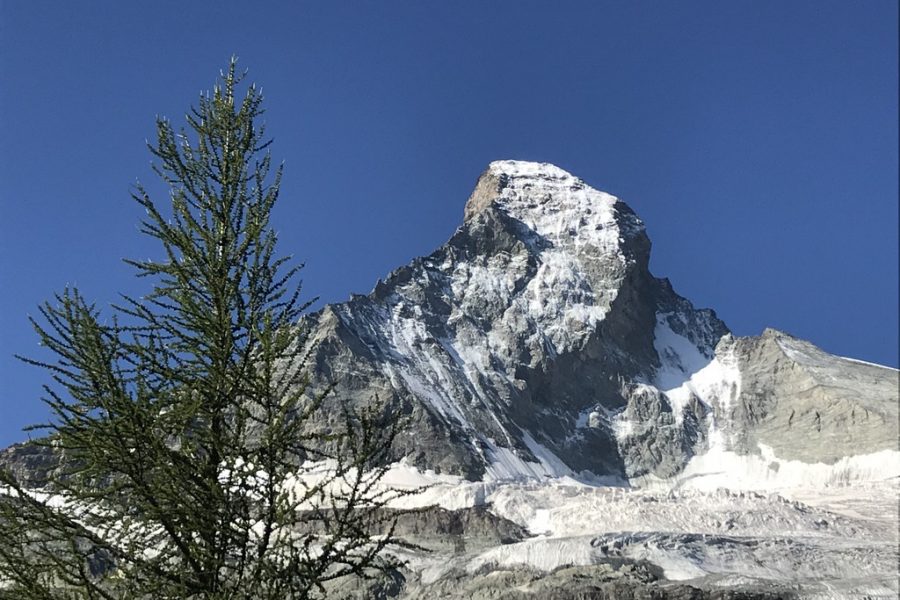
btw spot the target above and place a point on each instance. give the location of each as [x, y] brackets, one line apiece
[757, 140]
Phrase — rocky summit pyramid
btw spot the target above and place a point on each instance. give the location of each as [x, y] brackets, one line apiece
[536, 343]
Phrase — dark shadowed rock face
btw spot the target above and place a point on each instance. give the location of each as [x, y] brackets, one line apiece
[535, 342]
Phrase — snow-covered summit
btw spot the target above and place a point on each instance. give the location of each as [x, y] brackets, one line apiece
[549, 247]
[554, 204]
[529, 169]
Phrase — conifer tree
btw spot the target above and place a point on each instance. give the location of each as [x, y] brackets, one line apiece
[183, 423]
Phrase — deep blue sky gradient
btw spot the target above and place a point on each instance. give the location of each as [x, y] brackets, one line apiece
[757, 140]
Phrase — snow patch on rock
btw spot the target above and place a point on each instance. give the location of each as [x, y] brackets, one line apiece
[685, 373]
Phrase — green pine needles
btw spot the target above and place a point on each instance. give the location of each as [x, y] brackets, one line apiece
[187, 461]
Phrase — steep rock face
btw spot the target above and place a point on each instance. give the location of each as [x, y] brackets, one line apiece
[518, 344]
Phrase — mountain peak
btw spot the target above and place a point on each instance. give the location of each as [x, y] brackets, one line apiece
[530, 183]
[553, 203]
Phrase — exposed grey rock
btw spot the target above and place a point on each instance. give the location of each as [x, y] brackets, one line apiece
[809, 405]
[610, 580]
[658, 445]
[30, 463]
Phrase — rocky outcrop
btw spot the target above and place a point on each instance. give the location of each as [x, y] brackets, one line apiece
[30, 463]
[612, 580]
[608, 580]
[436, 529]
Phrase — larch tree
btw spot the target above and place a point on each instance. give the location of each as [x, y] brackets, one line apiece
[190, 465]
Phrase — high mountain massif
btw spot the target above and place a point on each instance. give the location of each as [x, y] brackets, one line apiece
[586, 432]
[536, 343]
